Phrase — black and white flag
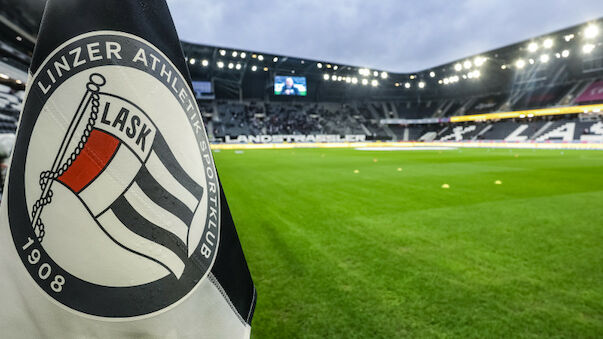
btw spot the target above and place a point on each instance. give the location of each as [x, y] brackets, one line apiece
[114, 222]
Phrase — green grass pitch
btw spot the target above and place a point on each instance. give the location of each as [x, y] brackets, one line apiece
[368, 244]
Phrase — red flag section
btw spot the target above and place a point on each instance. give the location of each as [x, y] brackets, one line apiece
[94, 157]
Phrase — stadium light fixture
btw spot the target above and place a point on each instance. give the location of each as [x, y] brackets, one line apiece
[421, 84]
[440, 81]
[364, 82]
[591, 31]
[334, 77]
[260, 57]
[230, 65]
[363, 71]
[548, 43]
[335, 67]
[568, 37]
[275, 59]
[532, 47]
[339, 78]
[467, 64]
[374, 83]
[520, 63]
[348, 79]
[328, 65]
[412, 77]
[432, 74]
[503, 67]
[243, 55]
[479, 61]
[544, 58]
[375, 73]
[192, 61]
[222, 52]
[19, 38]
[458, 67]
[557, 55]
[204, 62]
[565, 53]
[234, 54]
[397, 84]
[254, 68]
[220, 64]
[4, 76]
[586, 49]
[238, 66]
[19, 81]
[446, 81]
[265, 69]
[531, 61]
[325, 76]
[407, 85]
[319, 65]
[465, 76]
[477, 73]
[354, 80]
[383, 75]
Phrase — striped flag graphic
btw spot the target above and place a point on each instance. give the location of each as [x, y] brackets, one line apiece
[148, 199]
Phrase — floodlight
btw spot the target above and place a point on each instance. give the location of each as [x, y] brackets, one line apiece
[467, 64]
[230, 65]
[220, 64]
[407, 85]
[192, 61]
[383, 75]
[565, 53]
[544, 58]
[458, 67]
[548, 43]
[591, 31]
[260, 57]
[204, 62]
[520, 63]
[319, 65]
[374, 83]
[432, 74]
[254, 68]
[421, 84]
[586, 49]
[533, 47]
[365, 82]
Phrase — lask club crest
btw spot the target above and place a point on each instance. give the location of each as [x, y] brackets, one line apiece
[113, 196]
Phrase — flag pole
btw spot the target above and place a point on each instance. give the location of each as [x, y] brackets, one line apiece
[96, 80]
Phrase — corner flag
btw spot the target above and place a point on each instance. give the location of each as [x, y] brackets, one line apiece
[114, 222]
